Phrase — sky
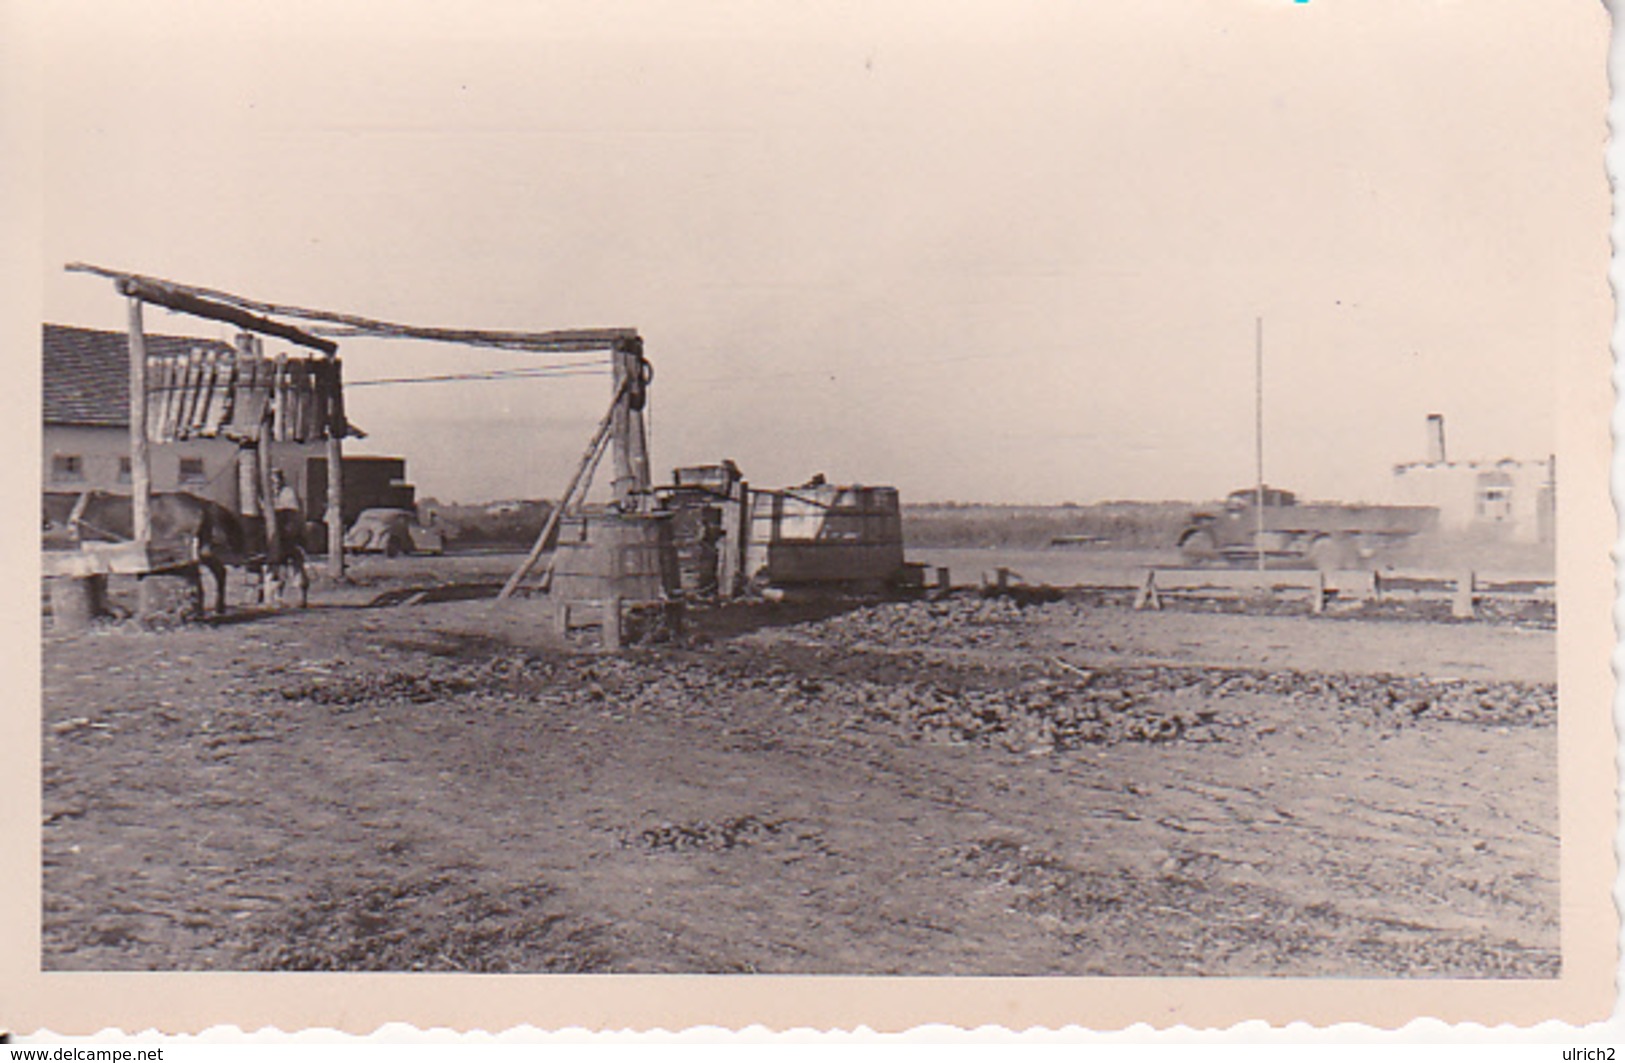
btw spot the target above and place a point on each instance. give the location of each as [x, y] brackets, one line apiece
[998, 252]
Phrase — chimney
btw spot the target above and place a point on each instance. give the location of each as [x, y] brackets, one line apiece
[1436, 453]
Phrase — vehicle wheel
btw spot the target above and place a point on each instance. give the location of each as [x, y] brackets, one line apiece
[1199, 547]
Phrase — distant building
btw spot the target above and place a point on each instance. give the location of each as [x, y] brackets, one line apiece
[1513, 499]
[86, 407]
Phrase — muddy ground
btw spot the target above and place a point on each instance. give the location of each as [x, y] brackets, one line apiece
[966, 786]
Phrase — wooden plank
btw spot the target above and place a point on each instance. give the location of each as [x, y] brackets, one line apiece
[65, 564]
[249, 409]
[168, 378]
[189, 377]
[339, 425]
[133, 558]
[300, 386]
[175, 415]
[175, 406]
[322, 413]
[221, 403]
[279, 399]
[205, 397]
[200, 402]
[299, 396]
[1169, 579]
[194, 374]
[158, 391]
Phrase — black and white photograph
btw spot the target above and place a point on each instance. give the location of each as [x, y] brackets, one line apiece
[981, 499]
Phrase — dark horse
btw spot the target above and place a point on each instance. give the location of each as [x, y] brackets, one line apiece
[209, 533]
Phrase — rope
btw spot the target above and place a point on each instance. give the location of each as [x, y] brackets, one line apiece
[596, 367]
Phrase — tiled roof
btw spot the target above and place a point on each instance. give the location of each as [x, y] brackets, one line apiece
[87, 372]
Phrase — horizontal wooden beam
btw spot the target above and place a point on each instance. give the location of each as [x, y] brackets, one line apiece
[186, 303]
[132, 558]
[564, 341]
[560, 341]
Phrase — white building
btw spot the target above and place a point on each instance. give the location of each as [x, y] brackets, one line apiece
[1512, 499]
[86, 406]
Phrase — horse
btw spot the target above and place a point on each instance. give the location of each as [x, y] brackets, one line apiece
[208, 532]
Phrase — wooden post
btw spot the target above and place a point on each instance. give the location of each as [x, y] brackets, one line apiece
[1148, 598]
[737, 548]
[336, 428]
[1258, 442]
[1317, 591]
[1461, 603]
[611, 630]
[270, 587]
[76, 602]
[140, 459]
[944, 582]
[619, 429]
[279, 400]
[730, 560]
[630, 444]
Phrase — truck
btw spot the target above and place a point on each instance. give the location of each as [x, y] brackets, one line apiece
[731, 538]
[1330, 536]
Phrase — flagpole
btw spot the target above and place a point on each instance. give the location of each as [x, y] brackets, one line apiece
[1258, 440]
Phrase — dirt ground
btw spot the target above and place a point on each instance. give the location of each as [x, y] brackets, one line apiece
[965, 786]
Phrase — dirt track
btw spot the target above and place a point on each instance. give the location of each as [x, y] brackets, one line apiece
[933, 787]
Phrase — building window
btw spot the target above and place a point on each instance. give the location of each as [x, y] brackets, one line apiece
[67, 468]
[1493, 502]
[124, 473]
[192, 471]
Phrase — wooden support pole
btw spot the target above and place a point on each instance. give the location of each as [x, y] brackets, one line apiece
[624, 486]
[336, 429]
[1147, 597]
[77, 601]
[140, 458]
[1461, 603]
[1258, 442]
[638, 444]
[1317, 593]
[269, 586]
[551, 525]
[610, 631]
[739, 546]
